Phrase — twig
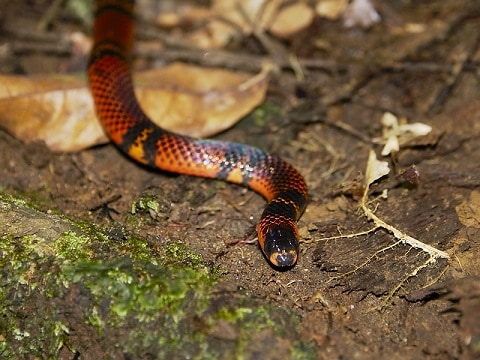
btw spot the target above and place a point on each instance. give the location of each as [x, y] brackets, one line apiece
[404, 238]
[49, 15]
[372, 164]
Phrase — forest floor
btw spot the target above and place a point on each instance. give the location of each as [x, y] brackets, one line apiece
[103, 258]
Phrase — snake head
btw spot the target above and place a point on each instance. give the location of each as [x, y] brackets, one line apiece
[281, 246]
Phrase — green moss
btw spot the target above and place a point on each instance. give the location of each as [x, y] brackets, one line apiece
[141, 289]
[151, 202]
[116, 286]
[148, 208]
[279, 323]
[264, 113]
[23, 263]
[243, 315]
[135, 282]
[302, 350]
[82, 9]
[71, 246]
[178, 253]
[30, 200]
[146, 203]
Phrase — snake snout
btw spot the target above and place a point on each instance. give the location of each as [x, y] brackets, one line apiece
[284, 259]
[281, 246]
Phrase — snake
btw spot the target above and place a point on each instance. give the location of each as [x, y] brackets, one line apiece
[138, 137]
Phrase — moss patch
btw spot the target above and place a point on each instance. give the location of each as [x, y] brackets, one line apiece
[69, 287]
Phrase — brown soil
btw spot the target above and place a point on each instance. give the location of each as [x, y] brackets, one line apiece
[396, 305]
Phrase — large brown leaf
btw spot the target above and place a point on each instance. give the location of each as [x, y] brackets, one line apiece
[182, 98]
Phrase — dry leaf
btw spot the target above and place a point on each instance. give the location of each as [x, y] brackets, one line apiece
[55, 109]
[375, 169]
[397, 132]
[197, 101]
[360, 13]
[182, 98]
[248, 14]
[331, 9]
[183, 15]
[228, 19]
[214, 35]
[291, 19]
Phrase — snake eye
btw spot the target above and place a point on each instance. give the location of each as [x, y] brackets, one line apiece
[281, 246]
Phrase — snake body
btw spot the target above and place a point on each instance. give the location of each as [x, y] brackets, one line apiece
[137, 136]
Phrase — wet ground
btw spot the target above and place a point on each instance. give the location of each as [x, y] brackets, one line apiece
[356, 292]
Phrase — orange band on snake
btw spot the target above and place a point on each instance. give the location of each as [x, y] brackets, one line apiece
[136, 135]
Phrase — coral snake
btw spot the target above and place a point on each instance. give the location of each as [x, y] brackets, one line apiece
[136, 135]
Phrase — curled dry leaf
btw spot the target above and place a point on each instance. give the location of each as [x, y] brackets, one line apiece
[182, 98]
[199, 102]
[246, 13]
[397, 132]
[214, 35]
[227, 19]
[224, 20]
[55, 109]
[375, 169]
[292, 19]
[331, 9]
[183, 15]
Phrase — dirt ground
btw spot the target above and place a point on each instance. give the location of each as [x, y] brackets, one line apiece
[363, 296]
